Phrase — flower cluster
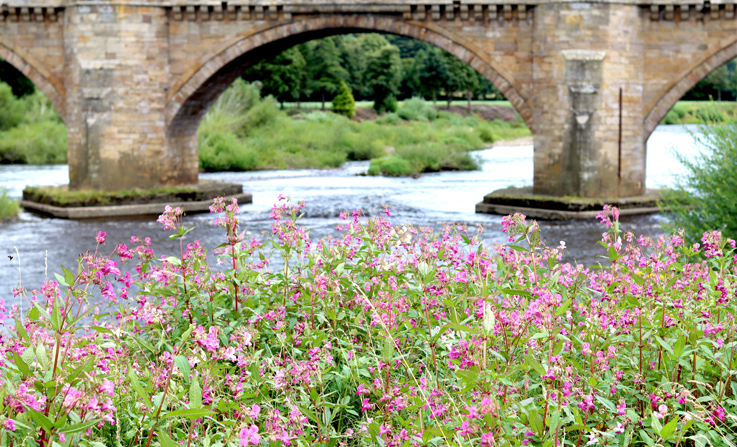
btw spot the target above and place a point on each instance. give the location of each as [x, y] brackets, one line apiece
[385, 335]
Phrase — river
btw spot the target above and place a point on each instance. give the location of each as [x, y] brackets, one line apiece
[433, 200]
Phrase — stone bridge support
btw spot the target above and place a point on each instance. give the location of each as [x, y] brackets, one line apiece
[132, 80]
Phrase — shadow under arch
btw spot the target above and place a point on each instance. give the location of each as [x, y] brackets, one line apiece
[192, 95]
[37, 73]
[686, 80]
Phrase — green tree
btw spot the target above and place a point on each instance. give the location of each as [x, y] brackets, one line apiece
[283, 77]
[460, 77]
[343, 103]
[705, 196]
[432, 73]
[324, 70]
[11, 109]
[17, 81]
[382, 75]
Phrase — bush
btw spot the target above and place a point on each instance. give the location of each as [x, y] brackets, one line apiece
[11, 109]
[36, 143]
[417, 109]
[487, 134]
[343, 103]
[392, 166]
[389, 118]
[385, 104]
[8, 206]
[705, 196]
[383, 335]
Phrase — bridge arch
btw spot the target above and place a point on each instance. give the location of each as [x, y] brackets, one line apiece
[37, 73]
[687, 79]
[192, 94]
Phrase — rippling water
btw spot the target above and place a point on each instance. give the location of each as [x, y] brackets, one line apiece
[431, 200]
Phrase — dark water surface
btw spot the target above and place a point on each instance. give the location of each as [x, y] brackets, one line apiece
[432, 200]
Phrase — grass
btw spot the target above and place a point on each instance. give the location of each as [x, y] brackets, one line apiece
[8, 207]
[701, 112]
[63, 196]
[369, 104]
[31, 131]
[243, 132]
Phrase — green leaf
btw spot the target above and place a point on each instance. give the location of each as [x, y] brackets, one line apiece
[183, 365]
[536, 423]
[192, 413]
[655, 424]
[195, 394]
[56, 316]
[388, 351]
[165, 440]
[60, 279]
[76, 428]
[41, 420]
[68, 276]
[43, 359]
[667, 432]
[20, 329]
[139, 389]
[535, 364]
[21, 365]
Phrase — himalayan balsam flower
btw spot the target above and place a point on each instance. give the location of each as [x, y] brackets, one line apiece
[249, 436]
[100, 238]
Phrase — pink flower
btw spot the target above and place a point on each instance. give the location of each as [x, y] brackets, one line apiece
[249, 436]
[9, 424]
[100, 238]
[255, 410]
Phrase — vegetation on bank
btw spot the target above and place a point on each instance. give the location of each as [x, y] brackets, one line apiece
[64, 197]
[31, 131]
[705, 195]
[390, 335]
[8, 206]
[701, 112]
[242, 131]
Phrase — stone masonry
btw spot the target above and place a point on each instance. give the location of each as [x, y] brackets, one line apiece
[132, 79]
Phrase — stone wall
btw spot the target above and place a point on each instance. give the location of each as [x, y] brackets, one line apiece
[132, 80]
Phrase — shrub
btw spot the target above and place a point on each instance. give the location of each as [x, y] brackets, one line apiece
[389, 118]
[417, 109]
[385, 104]
[705, 196]
[43, 142]
[392, 166]
[384, 335]
[8, 206]
[326, 117]
[11, 109]
[487, 134]
[343, 103]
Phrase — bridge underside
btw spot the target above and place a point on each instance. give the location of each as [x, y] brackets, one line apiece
[591, 80]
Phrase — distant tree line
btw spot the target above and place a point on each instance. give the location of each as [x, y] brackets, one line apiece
[719, 85]
[379, 68]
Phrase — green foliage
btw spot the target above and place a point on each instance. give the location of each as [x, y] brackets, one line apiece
[283, 76]
[700, 112]
[417, 109]
[343, 103]
[32, 131]
[382, 76]
[8, 206]
[324, 69]
[391, 166]
[431, 69]
[231, 138]
[705, 196]
[18, 82]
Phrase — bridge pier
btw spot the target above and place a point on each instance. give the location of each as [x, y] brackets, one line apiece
[592, 79]
[117, 79]
[589, 139]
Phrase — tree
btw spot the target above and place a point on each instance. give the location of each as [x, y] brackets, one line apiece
[431, 72]
[705, 196]
[324, 71]
[460, 77]
[383, 75]
[17, 81]
[282, 77]
[343, 103]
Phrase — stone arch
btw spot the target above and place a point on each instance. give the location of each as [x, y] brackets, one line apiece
[37, 73]
[687, 80]
[193, 93]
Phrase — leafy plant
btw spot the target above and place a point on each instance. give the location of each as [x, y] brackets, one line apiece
[8, 206]
[343, 103]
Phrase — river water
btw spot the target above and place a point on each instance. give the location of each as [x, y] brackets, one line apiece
[42, 244]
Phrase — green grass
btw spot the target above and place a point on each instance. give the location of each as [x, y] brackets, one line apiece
[63, 196]
[370, 104]
[701, 112]
[243, 133]
[8, 207]
[31, 132]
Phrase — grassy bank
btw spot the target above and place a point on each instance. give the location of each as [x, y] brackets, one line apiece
[700, 112]
[244, 132]
[31, 131]
[8, 207]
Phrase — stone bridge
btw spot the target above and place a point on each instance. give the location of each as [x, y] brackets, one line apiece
[133, 78]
